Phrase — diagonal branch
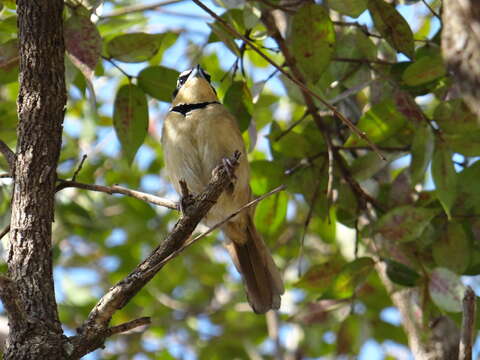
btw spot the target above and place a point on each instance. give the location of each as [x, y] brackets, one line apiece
[92, 333]
[8, 154]
[295, 78]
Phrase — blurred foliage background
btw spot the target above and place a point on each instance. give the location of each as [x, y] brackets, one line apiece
[351, 231]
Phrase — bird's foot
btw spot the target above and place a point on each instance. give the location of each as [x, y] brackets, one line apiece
[187, 198]
[231, 163]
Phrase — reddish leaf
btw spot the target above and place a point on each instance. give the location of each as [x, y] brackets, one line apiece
[83, 43]
[446, 289]
[130, 119]
[313, 37]
[405, 223]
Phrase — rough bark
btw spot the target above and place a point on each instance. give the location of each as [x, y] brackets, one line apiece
[36, 332]
[461, 47]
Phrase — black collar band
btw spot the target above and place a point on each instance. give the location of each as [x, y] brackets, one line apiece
[185, 108]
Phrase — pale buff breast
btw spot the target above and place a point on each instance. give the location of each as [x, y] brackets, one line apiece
[195, 144]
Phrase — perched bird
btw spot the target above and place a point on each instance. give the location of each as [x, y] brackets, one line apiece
[198, 134]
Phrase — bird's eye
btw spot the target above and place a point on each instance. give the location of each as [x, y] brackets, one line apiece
[182, 79]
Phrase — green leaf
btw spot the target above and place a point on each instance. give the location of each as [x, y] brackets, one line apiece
[422, 150]
[270, 213]
[130, 119]
[452, 249]
[465, 143]
[83, 43]
[366, 166]
[469, 192]
[266, 175]
[392, 26]
[381, 122]
[446, 289]
[238, 100]
[9, 61]
[158, 82]
[424, 70]
[290, 145]
[404, 223]
[350, 278]
[401, 274]
[444, 177]
[454, 117]
[312, 25]
[353, 8]
[134, 47]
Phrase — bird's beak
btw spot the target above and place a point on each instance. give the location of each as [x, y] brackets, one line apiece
[197, 72]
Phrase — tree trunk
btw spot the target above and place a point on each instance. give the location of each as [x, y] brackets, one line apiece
[461, 47]
[35, 331]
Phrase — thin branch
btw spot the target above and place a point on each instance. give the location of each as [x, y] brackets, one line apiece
[118, 67]
[139, 8]
[305, 227]
[8, 154]
[92, 333]
[332, 152]
[291, 127]
[115, 189]
[432, 11]
[295, 79]
[363, 61]
[79, 168]
[383, 148]
[468, 325]
[130, 325]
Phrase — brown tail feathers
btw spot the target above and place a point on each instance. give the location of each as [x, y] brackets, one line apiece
[252, 258]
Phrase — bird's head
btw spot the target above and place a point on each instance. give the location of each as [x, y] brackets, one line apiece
[193, 86]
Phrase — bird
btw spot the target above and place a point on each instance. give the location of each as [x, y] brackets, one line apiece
[198, 134]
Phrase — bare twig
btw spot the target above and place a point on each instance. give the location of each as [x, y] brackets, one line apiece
[295, 79]
[92, 333]
[8, 154]
[118, 67]
[115, 189]
[363, 61]
[432, 11]
[139, 8]
[79, 168]
[129, 325]
[305, 227]
[291, 127]
[468, 325]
